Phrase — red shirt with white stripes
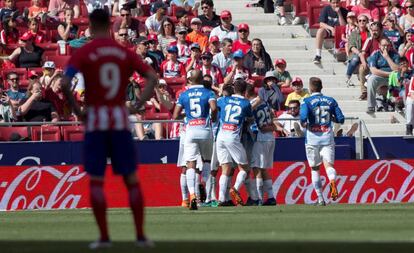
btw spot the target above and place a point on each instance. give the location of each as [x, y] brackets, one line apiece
[172, 69]
[214, 72]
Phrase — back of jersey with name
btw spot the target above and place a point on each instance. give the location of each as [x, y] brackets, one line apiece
[262, 115]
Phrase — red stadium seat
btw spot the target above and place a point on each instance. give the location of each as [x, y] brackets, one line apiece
[6, 132]
[82, 23]
[20, 5]
[300, 7]
[340, 53]
[50, 48]
[314, 9]
[46, 133]
[152, 115]
[73, 133]
[59, 60]
[258, 80]
[175, 81]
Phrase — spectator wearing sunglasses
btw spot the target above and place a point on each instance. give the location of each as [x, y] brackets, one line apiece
[196, 36]
[214, 72]
[289, 121]
[243, 43]
[124, 39]
[407, 21]
[153, 23]
[183, 45]
[142, 51]
[14, 93]
[133, 26]
[368, 9]
[209, 19]
[226, 29]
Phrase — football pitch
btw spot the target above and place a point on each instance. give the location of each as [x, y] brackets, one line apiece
[296, 228]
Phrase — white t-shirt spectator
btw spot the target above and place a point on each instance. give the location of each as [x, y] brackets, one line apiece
[288, 124]
[152, 23]
[97, 4]
[222, 62]
[222, 33]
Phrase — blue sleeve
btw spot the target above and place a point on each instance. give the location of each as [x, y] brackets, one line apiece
[211, 96]
[180, 101]
[71, 71]
[339, 116]
[373, 59]
[249, 112]
[304, 112]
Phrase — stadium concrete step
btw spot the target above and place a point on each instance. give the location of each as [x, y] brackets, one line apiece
[298, 56]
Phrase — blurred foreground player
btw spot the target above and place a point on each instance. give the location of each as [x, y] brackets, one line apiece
[106, 67]
[317, 113]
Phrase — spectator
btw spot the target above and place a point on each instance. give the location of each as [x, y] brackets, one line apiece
[381, 63]
[407, 44]
[14, 93]
[407, 20]
[270, 92]
[196, 36]
[9, 34]
[153, 23]
[394, 6]
[224, 58]
[237, 70]
[7, 112]
[33, 77]
[9, 10]
[243, 43]
[393, 31]
[182, 44]
[289, 122]
[28, 55]
[39, 36]
[68, 31]
[153, 48]
[182, 18]
[356, 40]
[226, 29]
[209, 19]
[280, 9]
[49, 69]
[124, 39]
[36, 108]
[282, 75]
[298, 93]
[142, 51]
[55, 95]
[57, 8]
[331, 15]
[398, 84]
[214, 45]
[122, 4]
[194, 62]
[208, 68]
[134, 26]
[368, 9]
[371, 44]
[351, 25]
[98, 4]
[167, 34]
[37, 10]
[172, 67]
[257, 60]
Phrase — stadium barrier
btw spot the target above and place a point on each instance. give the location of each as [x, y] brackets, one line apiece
[66, 187]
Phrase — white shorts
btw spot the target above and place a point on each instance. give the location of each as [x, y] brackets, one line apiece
[317, 154]
[180, 161]
[227, 151]
[262, 154]
[214, 160]
[195, 147]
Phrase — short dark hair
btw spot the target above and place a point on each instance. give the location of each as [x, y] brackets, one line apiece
[240, 86]
[226, 41]
[228, 90]
[180, 13]
[208, 2]
[377, 24]
[294, 101]
[99, 18]
[403, 59]
[250, 90]
[315, 84]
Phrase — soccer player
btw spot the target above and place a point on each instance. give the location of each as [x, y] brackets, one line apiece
[317, 113]
[197, 103]
[234, 111]
[106, 67]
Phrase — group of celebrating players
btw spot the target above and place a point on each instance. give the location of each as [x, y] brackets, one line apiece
[235, 131]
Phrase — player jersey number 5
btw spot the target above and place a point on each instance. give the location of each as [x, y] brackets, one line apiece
[195, 107]
[110, 78]
[322, 115]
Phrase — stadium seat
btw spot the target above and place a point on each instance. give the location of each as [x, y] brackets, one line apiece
[73, 133]
[300, 7]
[82, 22]
[21, 4]
[314, 9]
[175, 81]
[258, 81]
[6, 132]
[152, 115]
[340, 53]
[50, 48]
[59, 60]
[46, 133]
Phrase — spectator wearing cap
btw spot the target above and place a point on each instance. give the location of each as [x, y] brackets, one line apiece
[194, 62]
[351, 24]
[14, 93]
[214, 45]
[9, 34]
[224, 59]
[153, 48]
[298, 92]
[49, 69]
[123, 38]
[209, 19]
[67, 30]
[196, 36]
[392, 30]
[208, 68]
[243, 43]
[153, 22]
[182, 44]
[270, 92]
[237, 70]
[182, 18]
[33, 77]
[282, 75]
[142, 51]
[39, 36]
[226, 29]
[172, 67]
[57, 8]
[332, 15]
[134, 27]
[28, 55]
[368, 9]
[167, 34]
[257, 60]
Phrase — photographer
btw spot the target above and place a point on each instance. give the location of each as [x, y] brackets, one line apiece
[7, 112]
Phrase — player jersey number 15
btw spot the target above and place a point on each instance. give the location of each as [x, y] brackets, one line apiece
[232, 113]
[110, 78]
[322, 115]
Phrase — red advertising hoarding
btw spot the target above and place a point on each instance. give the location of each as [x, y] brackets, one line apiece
[61, 187]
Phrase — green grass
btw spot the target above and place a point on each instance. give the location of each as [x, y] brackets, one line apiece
[296, 228]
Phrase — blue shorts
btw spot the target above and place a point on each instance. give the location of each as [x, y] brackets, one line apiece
[117, 145]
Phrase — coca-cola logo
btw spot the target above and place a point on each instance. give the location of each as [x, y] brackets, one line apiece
[41, 188]
[383, 181]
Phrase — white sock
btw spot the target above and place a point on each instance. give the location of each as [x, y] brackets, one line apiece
[228, 188]
[268, 188]
[183, 185]
[241, 176]
[197, 183]
[317, 184]
[208, 188]
[223, 182]
[191, 180]
[253, 189]
[318, 52]
[205, 173]
[213, 188]
[259, 187]
[331, 172]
